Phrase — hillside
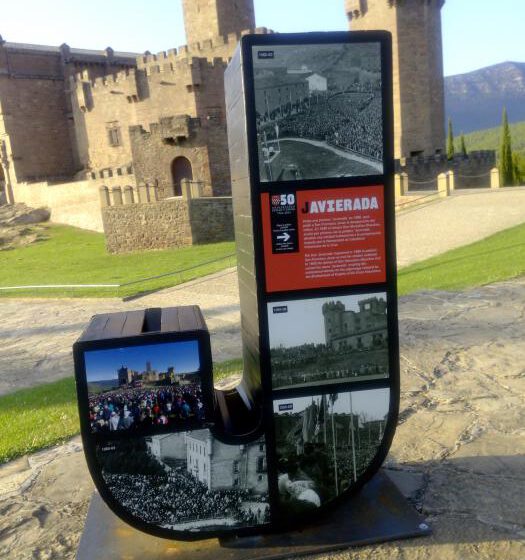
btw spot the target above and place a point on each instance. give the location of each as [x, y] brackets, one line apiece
[475, 100]
[489, 139]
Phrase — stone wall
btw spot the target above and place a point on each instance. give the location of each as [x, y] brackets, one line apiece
[75, 203]
[469, 172]
[131, 224]
[140, 227]
[36, 112]
[211, 220]
[206, 19]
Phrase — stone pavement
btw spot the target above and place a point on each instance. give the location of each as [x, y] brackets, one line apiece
[466, 216]
[458, 454]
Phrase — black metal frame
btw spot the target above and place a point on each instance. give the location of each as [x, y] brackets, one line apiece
[386, 180]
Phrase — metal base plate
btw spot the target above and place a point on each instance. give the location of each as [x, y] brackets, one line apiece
[378, 513]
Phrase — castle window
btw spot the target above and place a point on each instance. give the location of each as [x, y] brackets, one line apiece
[261, 464]
[114, 136]
[236, 467]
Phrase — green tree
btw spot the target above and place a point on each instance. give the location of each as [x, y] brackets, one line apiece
[506, 167]
[463, 146]
[450, 141]
[518, 168]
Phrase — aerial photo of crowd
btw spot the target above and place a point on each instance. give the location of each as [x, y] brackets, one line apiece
[351, 121]
[143, 410]
[174, 497]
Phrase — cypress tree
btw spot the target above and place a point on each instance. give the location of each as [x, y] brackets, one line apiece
[450, 141]
[506, 167]
[463, 147]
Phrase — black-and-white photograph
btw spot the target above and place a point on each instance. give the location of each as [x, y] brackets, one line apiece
[188, 481]
[325, 442]
[148, 388]
[318, 111]
[322, 341]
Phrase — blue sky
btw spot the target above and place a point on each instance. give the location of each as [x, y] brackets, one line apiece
[103, 364]
[476, 33]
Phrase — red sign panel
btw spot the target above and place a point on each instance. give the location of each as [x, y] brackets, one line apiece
[340, 238]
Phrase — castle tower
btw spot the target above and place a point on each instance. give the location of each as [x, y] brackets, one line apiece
[206, 19]
[419, 112]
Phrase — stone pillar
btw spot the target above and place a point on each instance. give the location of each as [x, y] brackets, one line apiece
[104, 197]
[128, 195]
[443, 187]
[153, 192]
[404, 183]
[185, 186]
[451, 181]
[495, 182]
[398, 186]
[116, 194]
[143, 194]
[197, 189]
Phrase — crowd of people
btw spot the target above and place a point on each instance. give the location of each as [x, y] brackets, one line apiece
[175, 497]
[142, 409]
[351, 121]
[319, 362]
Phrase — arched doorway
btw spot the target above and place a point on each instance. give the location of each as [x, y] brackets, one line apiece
[180, 169]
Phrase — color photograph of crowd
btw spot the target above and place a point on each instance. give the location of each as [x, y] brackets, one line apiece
[140, 410]
[149, 388]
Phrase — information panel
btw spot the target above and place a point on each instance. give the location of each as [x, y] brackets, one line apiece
[324, 237]
[313, 417]
[314, 209]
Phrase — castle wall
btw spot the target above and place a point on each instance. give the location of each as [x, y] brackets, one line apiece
[469, 172]
[168, 223]
[36, 108]
[417, 68]
[205, 19]
[75, 204]
[34, 114]
[211, 220]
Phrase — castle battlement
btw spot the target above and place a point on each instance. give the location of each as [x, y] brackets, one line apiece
[202, 49]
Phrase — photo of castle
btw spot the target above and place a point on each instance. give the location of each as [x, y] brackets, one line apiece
[148, 389]
[188, 481]
[324, 341]
[319, 111]
[325, 442]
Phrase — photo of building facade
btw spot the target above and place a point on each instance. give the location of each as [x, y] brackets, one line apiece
[188, 481]
[325, 340]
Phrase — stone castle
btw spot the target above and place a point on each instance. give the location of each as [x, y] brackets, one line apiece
[363, 329]
[80, 128]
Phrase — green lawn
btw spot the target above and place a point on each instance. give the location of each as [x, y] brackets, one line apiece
[32, 419]
[74, 256]
[46, 415]
[496, 258]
